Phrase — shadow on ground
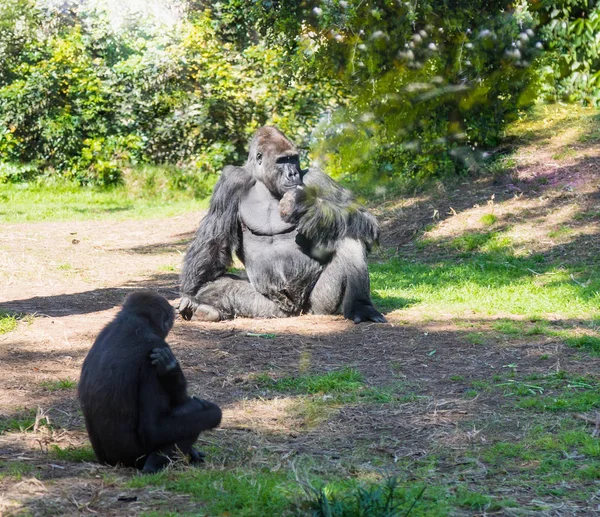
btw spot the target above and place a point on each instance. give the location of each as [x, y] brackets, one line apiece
[91, 301]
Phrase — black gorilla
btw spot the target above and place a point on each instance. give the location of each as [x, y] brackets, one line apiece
[302, 238]
[133, 393]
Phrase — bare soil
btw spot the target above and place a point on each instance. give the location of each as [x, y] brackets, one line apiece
[72, 276]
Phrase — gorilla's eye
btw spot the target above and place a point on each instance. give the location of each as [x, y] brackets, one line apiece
[259, 158]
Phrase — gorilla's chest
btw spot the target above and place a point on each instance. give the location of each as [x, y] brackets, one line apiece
[259, 212]
[275, 263]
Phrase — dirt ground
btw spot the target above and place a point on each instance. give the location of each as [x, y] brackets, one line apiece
[71, 276]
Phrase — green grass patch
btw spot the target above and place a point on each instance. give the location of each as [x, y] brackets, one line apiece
[586, 342]
[486, 284]
[554, 393]
[76, 454]
[548, 454]
[587, 214]
[476, 338]
[345, 386]
[339, 381]
[244, 493]
[510, 327]
[239, 492]
[566, 152]
[471, 241]
[15, 469]
[562, 231]
[8, 322]
[488, 219]
[58, 385]
[538, 328]
[21, 420]
[167, 268]
[141, 197]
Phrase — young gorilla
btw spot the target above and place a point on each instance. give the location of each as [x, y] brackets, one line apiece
[302, 238]
[133, 393]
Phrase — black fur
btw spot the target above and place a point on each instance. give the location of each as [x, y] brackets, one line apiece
[133, 392]
[302, 238]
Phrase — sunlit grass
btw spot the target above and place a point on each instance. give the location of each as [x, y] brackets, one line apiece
[340, 381]
[546, 121]
[8, 322]
[145, 194]
[485, 284]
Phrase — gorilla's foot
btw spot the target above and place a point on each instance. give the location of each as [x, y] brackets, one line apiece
[206, 313]
[364, 311]
[186, 308]
[155, 462]
[196, 457]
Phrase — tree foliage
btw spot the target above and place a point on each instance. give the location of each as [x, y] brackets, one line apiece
[82, 99]
[380, 89]
[571, 29]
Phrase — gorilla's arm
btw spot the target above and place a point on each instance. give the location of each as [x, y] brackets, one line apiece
[170, 374]
[210, 253]
[326, 213]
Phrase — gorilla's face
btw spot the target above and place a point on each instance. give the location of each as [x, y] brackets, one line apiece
[275, 161]
[287, 168]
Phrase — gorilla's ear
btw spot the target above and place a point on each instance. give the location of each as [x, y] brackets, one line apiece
[259, 158]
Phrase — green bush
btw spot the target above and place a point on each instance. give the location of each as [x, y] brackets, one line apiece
[385, 93]
[434, 86]
[85, 101]
[572, 67]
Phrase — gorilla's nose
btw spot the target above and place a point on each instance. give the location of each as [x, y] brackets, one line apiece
[292, 174]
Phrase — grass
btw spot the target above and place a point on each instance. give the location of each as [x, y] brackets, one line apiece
[15, 470]
[246, 493]
[562, 231]
[551, 459]
[484, 283]
[340, 381]
[317, 396]
[488, 219]
[145, 194]
[58, 385]
[19, 421]
[551, 393]
[238, 491]
[548, 121]
[8, 322]
[75, 454]
[525, 450]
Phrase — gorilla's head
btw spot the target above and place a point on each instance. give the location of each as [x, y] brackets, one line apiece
[152, 306]
[274, 160]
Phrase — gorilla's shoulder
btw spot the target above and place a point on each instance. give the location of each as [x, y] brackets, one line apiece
[316, 176]
[235, 177]
[234, 172]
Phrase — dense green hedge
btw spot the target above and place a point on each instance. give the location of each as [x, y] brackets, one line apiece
[82, 100]
[385, 90]
[571, 29]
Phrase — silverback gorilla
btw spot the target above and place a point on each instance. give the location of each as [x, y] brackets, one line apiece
[302, 238]
[133, 393]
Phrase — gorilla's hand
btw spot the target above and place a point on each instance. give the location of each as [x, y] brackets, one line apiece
[206, 404]
[164, 360]
[291, 205]
[364, 311]
[186, 308]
